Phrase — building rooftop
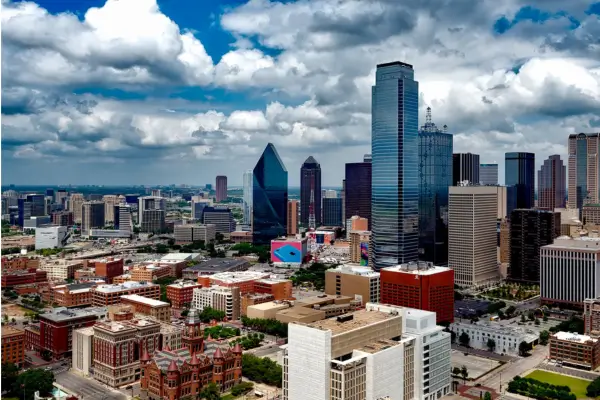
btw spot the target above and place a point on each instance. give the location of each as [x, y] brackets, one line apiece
[184, 284]
[323, 298]
[278, 304]
[122, 286]
[106, 260]
[574, 337]
[299, 312]
[360, 319]
[290, 239]
[417, 268]
[379, 345]
[217, 265]
[87, 331]
[354, 269]
[10, 331]
[76, 287]
[239, 276]
[581, 243]
[272, 280]
[145, 300]
[66, 314]
[180, 257]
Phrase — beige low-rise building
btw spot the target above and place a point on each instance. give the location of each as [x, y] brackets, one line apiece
[267, 310]
[156, 309]
[61, 270]
[351, 280]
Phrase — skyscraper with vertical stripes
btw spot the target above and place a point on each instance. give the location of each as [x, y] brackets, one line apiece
[584, 176]
[552, 183]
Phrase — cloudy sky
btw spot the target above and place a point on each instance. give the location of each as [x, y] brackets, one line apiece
[178, 91]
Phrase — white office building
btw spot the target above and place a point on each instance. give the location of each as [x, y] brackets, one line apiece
[570, 270]
[247, 204]
[83, 357]
[226, 299]
[50, 237]
[506, 338]
[379, 352]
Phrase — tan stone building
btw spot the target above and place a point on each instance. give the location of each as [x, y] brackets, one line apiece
[292, 217]
[156, 309]
[352, 281]
[504, 254]
[359, 240]
[251, 299]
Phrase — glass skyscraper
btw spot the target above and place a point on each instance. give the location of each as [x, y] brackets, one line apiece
[395, 153]
[247, 197]
[435, 176]
[310, 180]
[519, 171]
[488, 174]
[465, 167]
[269, 197]
[584, 169]
[332, 211]
[358, 190]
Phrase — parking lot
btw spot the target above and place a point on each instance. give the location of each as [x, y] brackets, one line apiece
[87, 389]
[476, 366]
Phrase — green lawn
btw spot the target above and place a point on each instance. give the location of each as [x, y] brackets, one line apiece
[578, 386]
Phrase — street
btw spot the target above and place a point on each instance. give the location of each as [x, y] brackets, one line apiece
[87, 389]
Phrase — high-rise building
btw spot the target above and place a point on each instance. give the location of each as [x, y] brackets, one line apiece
[221, 217]
[420, 285]
[472, 234]
[123, 217]
[198, 206]
[552, 183]
[530, 229]
[60, 196]
[247, 197]
[519, 171]
[310, 193]
[395, 176]
[221, 188]
[332, 211]
[488, 174]
[435, 176]
[584, 179]
[75, 203]
[153, 221]
[465, 167]
[92, 216]
[62, 218]
[357, 193]
[570, 272]
[360, 282]
[359, 246]
[330, 194]
[32, 205]
[110, 201]
[292, 217]
[150, 203]
[269, 197]
[591, 317]
[380, 352]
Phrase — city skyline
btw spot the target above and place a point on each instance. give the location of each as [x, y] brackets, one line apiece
[204, 98]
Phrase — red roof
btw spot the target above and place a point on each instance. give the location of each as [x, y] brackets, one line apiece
[237, 348]
[173, 367]
[194, 360]
[218, 353]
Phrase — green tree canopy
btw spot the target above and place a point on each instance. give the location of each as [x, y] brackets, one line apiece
[593, 389]
[32, 381]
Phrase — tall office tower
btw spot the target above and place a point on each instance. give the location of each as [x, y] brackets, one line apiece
[50, 193]
[552, 183]
[332, 212]
[221, 188]
[488, 174]
[395, 152]
[530, 229]
[343, 197]
[292, 217]
[110, 200]
[150, 203]
[381, 352]
[519, 171]
[310, 193]
[247, 197]
[123, 217]
[584, 185]
[330, 194]
[60, 196]
[358, 190]
[269, 197]
[435, 176]
[75, 203]
[221, 217]
[153, 221]
[465, 167]
[198, 206]
[32, 205]
[92, 216]
[472, 235]
[156, 193]
[12, 197]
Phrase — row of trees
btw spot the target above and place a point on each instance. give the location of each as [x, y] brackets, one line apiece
[210, 314]
[575, 324]
[539, 390]
[593, 389]
[24, 385]
[462, 372]
[268, 326]
[262, 370]
[221, 332]
[249, 341]
[314, 274]
[244, 249]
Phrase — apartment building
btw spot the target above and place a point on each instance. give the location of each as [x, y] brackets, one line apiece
[181, 293]
[23, 277]
[185, 234]
[19, 263]
[359, 247]
[61, 269]
[353, 280]
[74, 295]
[149, 272]
[226, 299]
[105, 295]
[156, 309]
[573, 350]
[378, 352]
[108, 267]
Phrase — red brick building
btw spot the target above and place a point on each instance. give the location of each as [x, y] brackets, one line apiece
[579, 351]
[62, 218]
[107, 267]
[23, 277]
[180, 293]
[175, 374]
[419, 285]
[106, 295]
[32, 337]
[56, 328]
[75, 295]
[13, 345]
[19, 263]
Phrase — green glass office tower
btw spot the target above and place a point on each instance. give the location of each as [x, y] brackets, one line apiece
[395, 153]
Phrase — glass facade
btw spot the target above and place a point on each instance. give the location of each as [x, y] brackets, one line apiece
[332, 211]
[520, 172]
[269, 197]
[310, 175]
[582, 172]
[488, 174]
[395, 176]
[465, 167]
[358, 190]
[435, 176]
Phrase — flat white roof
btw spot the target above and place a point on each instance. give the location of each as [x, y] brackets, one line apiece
[417, 269]
[239, 276]
[145, 300]
[573, 337]
[354, 269]
[123, 286]
[184, 284]
[179, 256]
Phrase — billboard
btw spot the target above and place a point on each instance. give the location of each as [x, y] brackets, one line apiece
[287, 252]
[321, 237]
[364, 254]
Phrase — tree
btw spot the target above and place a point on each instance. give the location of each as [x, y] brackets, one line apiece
[452, 337]
[10, 372]
[32, 381]
[242, 388]
[524, 348]
[491, 344]
[464, 339]
[536, 322]
[544, 337]
[487, 396]
[210, 392]
[464, 373]
[262, 370]
[531, 315]
[522, 317]
[456, 371]
[593, 389]
[545, 318]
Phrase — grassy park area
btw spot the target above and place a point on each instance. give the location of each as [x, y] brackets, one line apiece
[578, 386]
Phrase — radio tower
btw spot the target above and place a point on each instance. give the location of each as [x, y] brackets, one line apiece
[311, 208]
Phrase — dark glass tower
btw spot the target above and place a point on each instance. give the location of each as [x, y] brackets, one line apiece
[435, 176]
[530, 230]
[310, 174]
[332, 211]
[465, 167]
[269, 197]
[358, 190]
[552, 184]
[519, 171]
[395, 153]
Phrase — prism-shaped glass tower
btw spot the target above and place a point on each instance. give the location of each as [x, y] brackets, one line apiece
[269, 197]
